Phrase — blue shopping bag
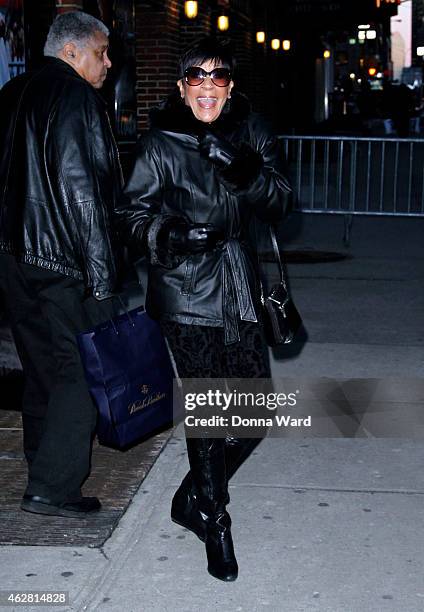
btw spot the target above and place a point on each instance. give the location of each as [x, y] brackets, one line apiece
[129, 374]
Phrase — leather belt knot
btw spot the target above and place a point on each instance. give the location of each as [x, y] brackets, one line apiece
[236, 297]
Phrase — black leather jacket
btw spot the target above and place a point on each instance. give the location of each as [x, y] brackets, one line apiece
[59, 176]
[170, 179]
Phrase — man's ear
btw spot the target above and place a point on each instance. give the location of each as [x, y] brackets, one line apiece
[230, 86]
[180, 86]
[69, 51]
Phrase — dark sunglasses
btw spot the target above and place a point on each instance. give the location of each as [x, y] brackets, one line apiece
[221, 77]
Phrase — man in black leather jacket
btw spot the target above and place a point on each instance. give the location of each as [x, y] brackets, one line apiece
[59, 179]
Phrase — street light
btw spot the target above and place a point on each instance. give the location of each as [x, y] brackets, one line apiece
[286, 45]
[190, 9]
[260, 37]
[223, 23]
[327, 54]
[275, 44]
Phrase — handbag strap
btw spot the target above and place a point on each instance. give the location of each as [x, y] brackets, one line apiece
[277, 254]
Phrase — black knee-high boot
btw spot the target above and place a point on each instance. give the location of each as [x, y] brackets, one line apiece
[207, 466]
[184, 509]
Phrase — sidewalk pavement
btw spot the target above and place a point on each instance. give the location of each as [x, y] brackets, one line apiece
[319, 525]
[325, 525]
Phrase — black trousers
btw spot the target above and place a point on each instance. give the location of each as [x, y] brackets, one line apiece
[46, 310]
[200, 352]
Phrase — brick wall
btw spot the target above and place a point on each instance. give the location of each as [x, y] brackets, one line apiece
[157, 47]
[191, 30]
[242, 37]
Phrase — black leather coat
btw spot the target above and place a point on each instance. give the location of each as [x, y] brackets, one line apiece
[59, 176]
[170, 179]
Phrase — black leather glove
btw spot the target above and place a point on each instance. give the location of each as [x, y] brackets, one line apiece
[219, 151]
[190, 238]
[238, 168]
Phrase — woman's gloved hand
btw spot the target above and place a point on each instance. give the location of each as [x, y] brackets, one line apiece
[189, 238]
[238, 167]
[218, 150]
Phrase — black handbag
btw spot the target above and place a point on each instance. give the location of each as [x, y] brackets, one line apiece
[280, 317]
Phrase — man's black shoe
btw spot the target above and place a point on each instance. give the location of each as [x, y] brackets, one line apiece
[72, 509]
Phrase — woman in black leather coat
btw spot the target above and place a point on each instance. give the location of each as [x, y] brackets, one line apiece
[205, 168]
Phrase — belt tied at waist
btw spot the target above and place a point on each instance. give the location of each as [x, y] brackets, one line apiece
[235, 291]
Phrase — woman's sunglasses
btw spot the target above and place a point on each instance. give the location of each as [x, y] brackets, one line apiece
[221, 77]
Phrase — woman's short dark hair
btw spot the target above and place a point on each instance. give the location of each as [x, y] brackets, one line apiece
[209, 48]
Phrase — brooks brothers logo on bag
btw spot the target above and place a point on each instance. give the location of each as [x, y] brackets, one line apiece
[148, 400]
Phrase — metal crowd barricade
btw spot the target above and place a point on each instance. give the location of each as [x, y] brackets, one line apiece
[356, 176]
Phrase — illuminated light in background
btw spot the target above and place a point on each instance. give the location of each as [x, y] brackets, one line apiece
[190, 9]
[223, 23]
[401, 35]
[275, 44]
[286, 45]
[260, 37]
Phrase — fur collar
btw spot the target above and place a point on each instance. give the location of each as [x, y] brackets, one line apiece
[173, 115]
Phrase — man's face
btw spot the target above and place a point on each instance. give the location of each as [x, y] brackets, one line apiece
[91, 61]
[205, 100]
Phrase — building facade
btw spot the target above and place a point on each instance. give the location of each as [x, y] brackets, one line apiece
[283, 73]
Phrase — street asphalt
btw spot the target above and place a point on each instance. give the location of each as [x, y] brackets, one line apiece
[320, 524]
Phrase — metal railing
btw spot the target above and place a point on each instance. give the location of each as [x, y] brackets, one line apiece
[356, 176]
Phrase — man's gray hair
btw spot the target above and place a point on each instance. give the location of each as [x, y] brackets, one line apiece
[76, 27]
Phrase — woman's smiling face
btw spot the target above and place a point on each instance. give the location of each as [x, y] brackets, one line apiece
[207, 99]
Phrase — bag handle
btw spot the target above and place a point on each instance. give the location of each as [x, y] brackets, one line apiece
[277, 258]
[124, 308]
